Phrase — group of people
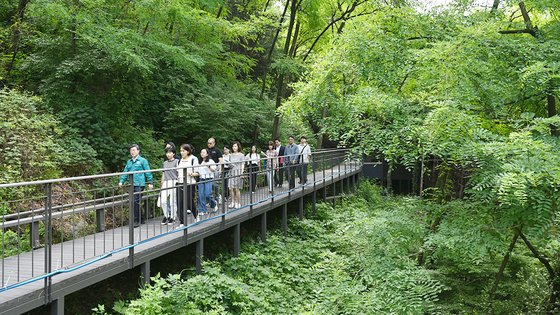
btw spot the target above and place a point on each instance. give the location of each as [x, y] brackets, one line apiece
[185, 174]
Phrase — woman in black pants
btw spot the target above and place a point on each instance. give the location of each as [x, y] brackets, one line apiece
[253, 159]
[188, 164]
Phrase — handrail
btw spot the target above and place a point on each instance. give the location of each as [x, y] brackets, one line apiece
[25, 214]
[68, 179]
[325, 159]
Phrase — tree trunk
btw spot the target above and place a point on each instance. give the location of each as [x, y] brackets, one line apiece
[551, 108]
[552, 275]
[321, 138]
[421, 177]
[281, 85]
[220, 12]
[554, 301]
[504, 264]
[269, 56]
[389, 180]
[16, 35]
[292, 52]
[495, 6]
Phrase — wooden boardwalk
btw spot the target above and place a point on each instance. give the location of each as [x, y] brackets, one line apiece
[96, 257]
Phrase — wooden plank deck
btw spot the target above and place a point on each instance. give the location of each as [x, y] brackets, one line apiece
[155, 240]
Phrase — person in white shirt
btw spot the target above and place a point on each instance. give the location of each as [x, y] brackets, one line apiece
[305, 155]
[168, 195]
[271, 165]
[253, 159]
[187, 166]
[206, 171]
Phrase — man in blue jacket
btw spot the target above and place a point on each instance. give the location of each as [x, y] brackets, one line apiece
[291, 159]
[135, 164]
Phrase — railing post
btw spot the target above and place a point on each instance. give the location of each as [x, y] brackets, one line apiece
[339, 178]
[99, 218]
[48, 241]
[224, 192]
[34, 234]
[324, 179]
[131, 220]
[250, 188]
[186, 202]
[314, 201]
[302, 191]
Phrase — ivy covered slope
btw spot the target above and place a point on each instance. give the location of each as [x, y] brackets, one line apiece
[362, 257]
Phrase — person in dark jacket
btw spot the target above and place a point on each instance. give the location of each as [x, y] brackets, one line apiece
[135, 164]
[279, 174]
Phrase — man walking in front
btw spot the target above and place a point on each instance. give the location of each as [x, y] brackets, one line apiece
[291, 160]
[135, 164]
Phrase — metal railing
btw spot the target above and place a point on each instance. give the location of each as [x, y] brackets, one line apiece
[74, 222]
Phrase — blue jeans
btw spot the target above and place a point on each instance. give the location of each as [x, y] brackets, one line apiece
[205, 195]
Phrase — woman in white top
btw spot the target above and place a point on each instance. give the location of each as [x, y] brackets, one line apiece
[235, 181]
[271, 164]
[206, 170]
[187, 166]
[253, 159]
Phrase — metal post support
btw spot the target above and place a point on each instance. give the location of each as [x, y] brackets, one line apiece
[199, 255]
[185, 205]
[263, 227]
[48, 241]
[145, 272]
[57, 306]
[131, 221]
[236, 239]
[301, 207]
[285, 219]
[314, 201]
[250, 189]
[100, 219]
[224, 193]
[324, 181]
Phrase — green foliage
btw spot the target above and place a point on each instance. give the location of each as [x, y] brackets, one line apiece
[36, 145]
[361, 258]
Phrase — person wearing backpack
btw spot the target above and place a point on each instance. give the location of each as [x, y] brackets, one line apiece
[190, 163]
[168, 195]
[134, 164]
